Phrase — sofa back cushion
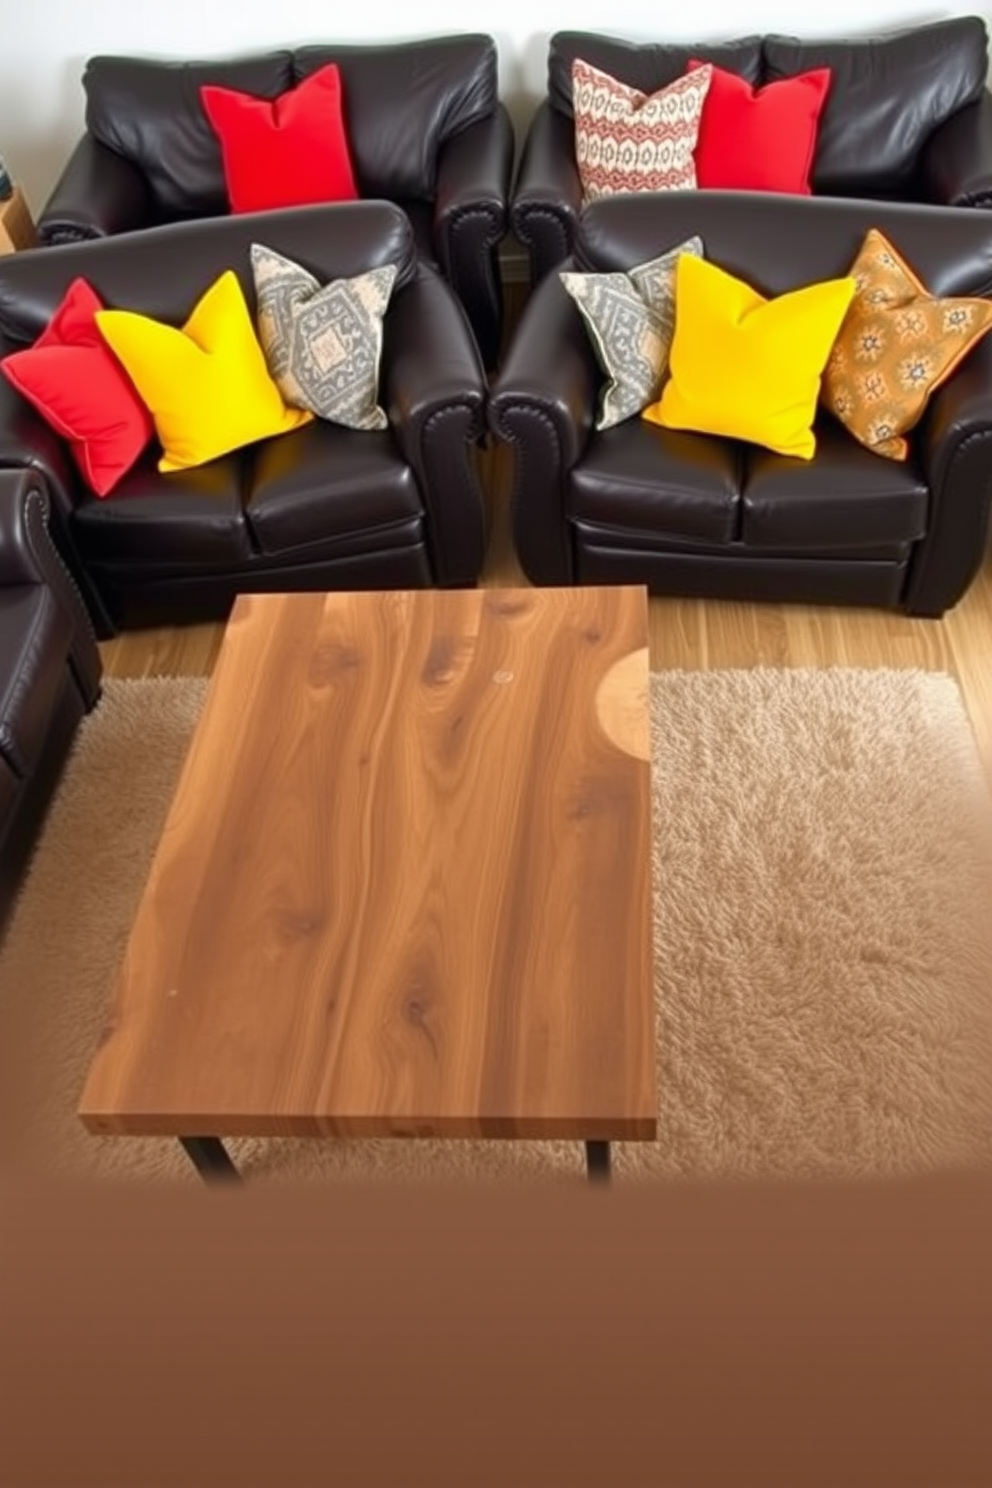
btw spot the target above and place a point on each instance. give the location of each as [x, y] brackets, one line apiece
[647, 66]
[887, 96]
[779, 243]
[403, 101]
[150, 112]
[163, 272]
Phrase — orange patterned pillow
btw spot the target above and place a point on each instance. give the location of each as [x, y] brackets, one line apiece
[627, 141]
[897, 344]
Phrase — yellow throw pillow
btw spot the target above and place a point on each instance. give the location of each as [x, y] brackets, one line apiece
[896, 346]
[207, 387]
[746, 367]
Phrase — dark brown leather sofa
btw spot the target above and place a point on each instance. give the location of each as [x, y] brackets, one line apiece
[49, 671]
[321, 508]
[908, 117]
[424, 122]
[688, 514]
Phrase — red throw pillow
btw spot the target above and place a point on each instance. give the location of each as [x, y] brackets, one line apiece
[287, 151]
[760, 139]
[73, 379]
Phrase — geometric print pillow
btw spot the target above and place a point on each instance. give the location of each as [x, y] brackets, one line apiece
[626, 140]
[323, 344]
[630, 319]
[896, 346]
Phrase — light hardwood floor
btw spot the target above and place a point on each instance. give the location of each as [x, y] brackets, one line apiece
[690, 633]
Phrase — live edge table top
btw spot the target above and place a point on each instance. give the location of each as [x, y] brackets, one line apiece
[403, 888]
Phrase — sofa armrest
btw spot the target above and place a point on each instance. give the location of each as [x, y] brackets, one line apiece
[956, 163]
[547, 197]
[470, 220]
[28, 442]
[543, 404]
[98, 194]
[473, 175]
[30, 445]
[434, 391]
[29, 556]
[954, 445]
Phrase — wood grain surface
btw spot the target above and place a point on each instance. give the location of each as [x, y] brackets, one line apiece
[404, 885]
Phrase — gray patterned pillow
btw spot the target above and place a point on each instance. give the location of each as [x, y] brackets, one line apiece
[631, 321]
[323, 343]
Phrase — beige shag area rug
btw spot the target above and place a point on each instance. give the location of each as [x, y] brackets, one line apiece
[823, 909]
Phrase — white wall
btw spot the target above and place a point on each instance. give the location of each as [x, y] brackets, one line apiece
[44, 43]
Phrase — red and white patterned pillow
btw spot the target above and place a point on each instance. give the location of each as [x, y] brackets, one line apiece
[631, 141]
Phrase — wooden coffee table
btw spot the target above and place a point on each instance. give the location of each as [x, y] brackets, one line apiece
[403, 888]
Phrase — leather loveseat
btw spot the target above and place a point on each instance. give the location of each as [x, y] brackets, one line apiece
[908, 117]
[49, 671]
[692, 514]
[323, 507]
[424, 124]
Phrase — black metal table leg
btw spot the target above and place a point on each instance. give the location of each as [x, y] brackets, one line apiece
[598, 1161]
[211, 1159]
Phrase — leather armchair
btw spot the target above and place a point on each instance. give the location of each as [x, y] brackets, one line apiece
[424, 122]
[908, 118]
[323, 507]
[49, 670]
[690, 514]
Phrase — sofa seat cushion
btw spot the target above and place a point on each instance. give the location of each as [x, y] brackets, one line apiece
[190, 518]
[845, 498]
[662, 481]
[35, 640]
[325, 484]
